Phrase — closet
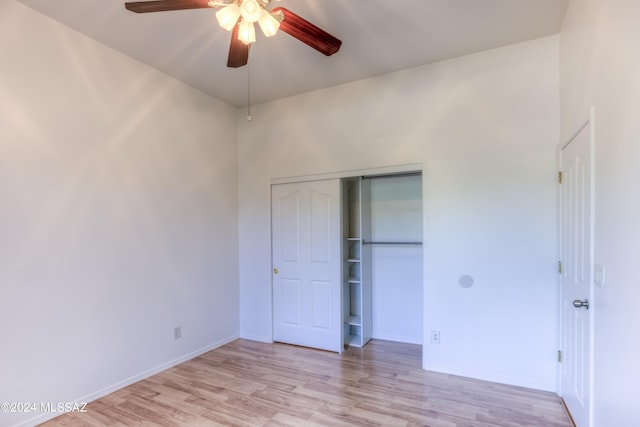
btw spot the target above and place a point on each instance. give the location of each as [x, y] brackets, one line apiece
[382, 259]
[347, 261]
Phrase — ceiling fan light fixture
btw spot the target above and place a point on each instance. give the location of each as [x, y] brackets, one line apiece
[251, 10]
[246, 32]
[228, 16]
[268, 24]
[240, 16]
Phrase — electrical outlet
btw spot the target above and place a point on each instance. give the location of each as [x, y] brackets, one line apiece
[435, 337]
[177, 332]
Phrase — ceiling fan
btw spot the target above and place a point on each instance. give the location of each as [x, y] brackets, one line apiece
[239, 16]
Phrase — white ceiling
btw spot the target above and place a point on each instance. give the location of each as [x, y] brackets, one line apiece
[378, 37]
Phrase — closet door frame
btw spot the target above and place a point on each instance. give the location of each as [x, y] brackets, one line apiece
[369, 172]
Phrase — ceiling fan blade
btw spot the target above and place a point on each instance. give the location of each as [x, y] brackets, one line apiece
[164, 5]
[238, 51]
[308, 33]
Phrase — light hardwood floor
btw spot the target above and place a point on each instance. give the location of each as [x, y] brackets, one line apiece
[246, 383]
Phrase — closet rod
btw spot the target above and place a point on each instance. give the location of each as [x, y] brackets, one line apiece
[364, 242]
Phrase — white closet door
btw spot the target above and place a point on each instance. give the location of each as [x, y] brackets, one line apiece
[306, 264]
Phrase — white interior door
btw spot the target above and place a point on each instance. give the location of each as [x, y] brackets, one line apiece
[577, 268]
[306, 264]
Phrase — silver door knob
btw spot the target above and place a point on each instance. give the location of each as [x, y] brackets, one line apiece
[579, 304]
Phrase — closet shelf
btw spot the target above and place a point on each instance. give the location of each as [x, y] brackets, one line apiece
[356, 291]
[354, 321]
[353, 340]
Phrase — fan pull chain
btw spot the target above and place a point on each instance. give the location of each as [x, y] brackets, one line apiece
[248, 92]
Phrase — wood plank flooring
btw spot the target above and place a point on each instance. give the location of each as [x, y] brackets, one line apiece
[247, 383]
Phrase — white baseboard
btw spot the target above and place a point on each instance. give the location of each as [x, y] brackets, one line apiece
[519, 382]
[257, 338]
[397, 338]
[128, 381]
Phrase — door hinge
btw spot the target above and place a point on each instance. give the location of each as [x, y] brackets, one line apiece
[559, 356]
[560, 175]
[560, 269]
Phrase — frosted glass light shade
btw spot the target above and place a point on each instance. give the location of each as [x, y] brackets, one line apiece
[268, 24]
[228, 16]
[251, 10]
[247, 32]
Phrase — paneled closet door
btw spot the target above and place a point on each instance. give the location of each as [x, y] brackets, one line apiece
[306, 262]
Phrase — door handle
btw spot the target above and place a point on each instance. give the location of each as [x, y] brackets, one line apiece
[579, 304]
[275, 271]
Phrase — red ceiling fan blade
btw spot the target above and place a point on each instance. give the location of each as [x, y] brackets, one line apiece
[308, 33]
[238, 51]
[164, 5]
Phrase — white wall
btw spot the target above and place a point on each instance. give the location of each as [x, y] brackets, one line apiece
[118, 216]
[600, 66]
[485, 128]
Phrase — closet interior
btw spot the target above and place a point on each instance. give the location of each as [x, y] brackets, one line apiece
[382, 259]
